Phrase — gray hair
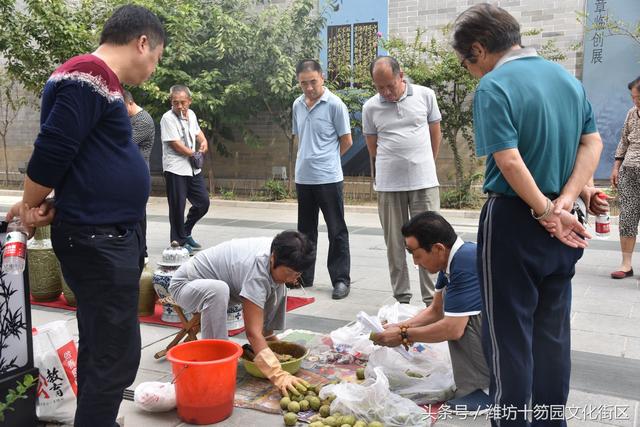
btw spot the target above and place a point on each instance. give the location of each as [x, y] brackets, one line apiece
[491, 26]
[179, 88]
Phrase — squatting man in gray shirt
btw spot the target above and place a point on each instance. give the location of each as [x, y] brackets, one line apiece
[250, 272]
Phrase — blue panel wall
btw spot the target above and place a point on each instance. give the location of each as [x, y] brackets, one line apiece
[355, 12]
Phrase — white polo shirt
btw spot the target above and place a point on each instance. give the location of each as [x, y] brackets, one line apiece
[170, 130]
[404, 160]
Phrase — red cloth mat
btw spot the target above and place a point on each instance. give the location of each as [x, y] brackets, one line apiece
[292, 304]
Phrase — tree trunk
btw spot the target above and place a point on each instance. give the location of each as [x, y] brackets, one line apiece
[210, 175]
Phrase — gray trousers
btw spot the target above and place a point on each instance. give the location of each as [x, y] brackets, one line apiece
[395, 208]
[470, 370]
[208, 297]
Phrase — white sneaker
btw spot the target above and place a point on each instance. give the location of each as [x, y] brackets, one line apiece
[120, 420]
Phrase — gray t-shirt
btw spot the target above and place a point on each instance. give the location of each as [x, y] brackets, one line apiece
[404, 160]
[244, 265]
[170, 130]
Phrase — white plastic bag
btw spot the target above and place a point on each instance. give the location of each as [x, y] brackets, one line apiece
[354, 337]
[155, 396]
[56, 356]
[428, 378]
[373, 401]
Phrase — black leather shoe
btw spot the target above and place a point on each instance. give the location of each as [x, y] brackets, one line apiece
[340, 290]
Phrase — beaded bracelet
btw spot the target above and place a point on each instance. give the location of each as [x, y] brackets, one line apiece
[404, 335]
[547, 211]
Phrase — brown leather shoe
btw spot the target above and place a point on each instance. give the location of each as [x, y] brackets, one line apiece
[621, 274]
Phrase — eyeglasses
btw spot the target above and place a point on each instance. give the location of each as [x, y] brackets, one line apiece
[464, 60]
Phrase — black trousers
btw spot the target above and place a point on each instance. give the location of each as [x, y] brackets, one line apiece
[179, 190]
[525, 278]
[327, 198]
[102, 265]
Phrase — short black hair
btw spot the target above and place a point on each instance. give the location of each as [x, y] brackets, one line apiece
[389, 60]
[308, 65]
[429, 228]
[127, 96]
[491, 26]
[129, 22]
[634, 84]
[294, 250]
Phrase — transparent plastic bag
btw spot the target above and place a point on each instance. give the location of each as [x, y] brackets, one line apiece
[428, 378]
[373, 401]
[354, 337]
[155, 396]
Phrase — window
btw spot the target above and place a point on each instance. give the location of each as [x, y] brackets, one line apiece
[350, 49]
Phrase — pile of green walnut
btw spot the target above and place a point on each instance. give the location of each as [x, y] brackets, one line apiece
[308, 399]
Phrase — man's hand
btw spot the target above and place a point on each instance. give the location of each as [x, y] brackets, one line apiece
[32, 217]
[597, 204]
[204, 147]
[567, 229]
[390, 337]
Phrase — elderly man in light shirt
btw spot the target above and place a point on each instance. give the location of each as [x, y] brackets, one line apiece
[181, 138]
[401, 125]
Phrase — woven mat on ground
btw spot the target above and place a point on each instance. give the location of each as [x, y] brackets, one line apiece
[323, 365]
[156, 318]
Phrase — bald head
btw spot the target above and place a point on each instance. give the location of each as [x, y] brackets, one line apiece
[387, 78]
[385, 62]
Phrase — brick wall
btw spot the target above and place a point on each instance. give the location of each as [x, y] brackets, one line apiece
[557, 19]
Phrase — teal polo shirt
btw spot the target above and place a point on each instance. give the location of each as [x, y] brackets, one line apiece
[536, 106]
[319, 129]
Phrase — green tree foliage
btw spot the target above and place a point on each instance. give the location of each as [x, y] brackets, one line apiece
[38, 35]
[237, 56]
[11, 102]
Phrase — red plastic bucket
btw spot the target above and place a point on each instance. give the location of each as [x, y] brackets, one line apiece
[204, 372]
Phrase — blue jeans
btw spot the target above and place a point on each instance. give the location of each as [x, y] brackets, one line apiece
[102, 265]
[525, 276]
[327, 198]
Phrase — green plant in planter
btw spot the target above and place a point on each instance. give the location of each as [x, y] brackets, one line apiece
[20, 392]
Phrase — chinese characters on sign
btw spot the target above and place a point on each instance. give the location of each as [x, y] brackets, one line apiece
[539, 413]
[600, 22]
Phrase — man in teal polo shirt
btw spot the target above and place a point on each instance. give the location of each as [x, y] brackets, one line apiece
[322, 126]
[535, 125]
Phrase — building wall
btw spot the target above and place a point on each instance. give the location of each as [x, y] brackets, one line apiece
[557, 17]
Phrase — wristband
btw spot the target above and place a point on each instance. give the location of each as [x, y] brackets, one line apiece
[547, 211]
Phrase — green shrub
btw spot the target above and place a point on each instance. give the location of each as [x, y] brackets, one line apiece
[275, 190]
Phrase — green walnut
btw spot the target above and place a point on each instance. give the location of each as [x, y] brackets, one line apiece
[360, 423]
[284, 402]
[290, 419]
[331, 421]
[360, 373]
[314, 403]
[316, 424]
[304, 405]
[376, 424]
[294, 407]
[325, 411]
[349, 419]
